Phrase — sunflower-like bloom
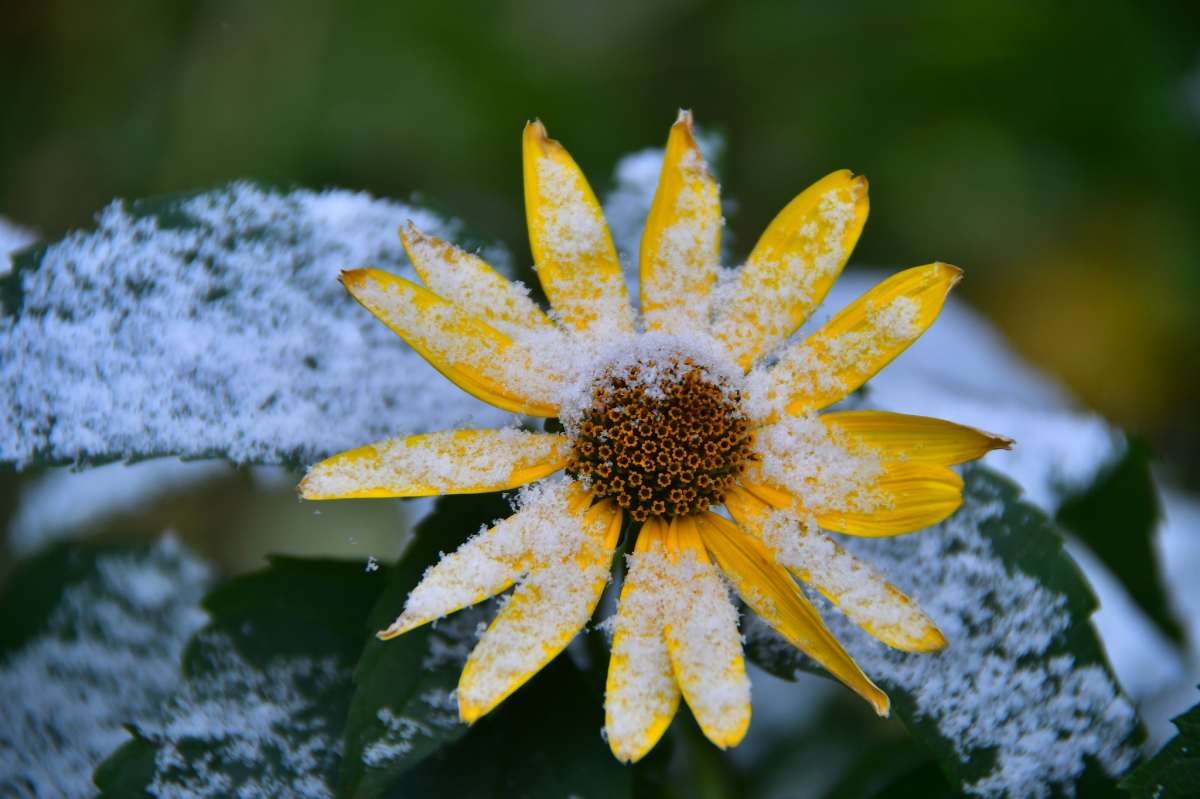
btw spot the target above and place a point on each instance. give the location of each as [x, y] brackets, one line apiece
[702, 401]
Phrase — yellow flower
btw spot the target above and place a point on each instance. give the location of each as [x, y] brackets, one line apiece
[665, 418]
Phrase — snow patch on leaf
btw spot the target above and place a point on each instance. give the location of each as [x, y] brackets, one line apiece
[256, 732]
[216, 326]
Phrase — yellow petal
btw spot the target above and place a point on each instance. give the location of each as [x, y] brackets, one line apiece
[766, 587]
[853, 346]
[704, 643]
[680, 246]
[544, 531]
[474, 356]
[793, 265]
[641, 695]
[898, 436]
[545, 612]
[451, 462]
[468, 282]
[908, 496]
[855, 586]
[572, 248]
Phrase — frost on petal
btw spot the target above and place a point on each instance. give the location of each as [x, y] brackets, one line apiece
[962, 369]
[682, 239]
[822, 469]
[544, 533]
[791, 268]
[467, 281]
[547, 609]
[224, 333]
[857, 588]
[703, 640]
[459, 462]
[471, 354]
[675, 631]
[641, 694]
[854, 345]
[572, 249]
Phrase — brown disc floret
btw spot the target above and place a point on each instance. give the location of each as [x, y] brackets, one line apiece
[662, 438]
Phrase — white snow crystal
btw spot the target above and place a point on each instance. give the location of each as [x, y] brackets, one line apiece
[227, 333]
[109, 656]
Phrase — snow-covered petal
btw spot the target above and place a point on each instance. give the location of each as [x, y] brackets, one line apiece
[704, 643]
[907, 497]
[449, 462]
[682, 240]
[545, 612]
[792, 267]
[474, 356]
[854, 345]
[641, 694]
[547, 529]
[899, 436]
[766, 587]
[855, 586]
[467, 281]
[572, 248]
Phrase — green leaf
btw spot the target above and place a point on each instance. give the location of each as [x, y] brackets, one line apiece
[543, 742]
[1117, 517]
[1173, 773]
[33, 591]
[1023, 694]
[267, 686]
[403, 709]
[128, 771]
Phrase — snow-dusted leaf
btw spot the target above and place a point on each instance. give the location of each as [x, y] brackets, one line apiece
[1173, 773]
[1118, 517]
[404, 708]
[1022, 699]
[267, 685]
[92, 638]
[213, 324]
[543, 742]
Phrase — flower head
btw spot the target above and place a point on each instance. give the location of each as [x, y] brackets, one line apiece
[702, 401]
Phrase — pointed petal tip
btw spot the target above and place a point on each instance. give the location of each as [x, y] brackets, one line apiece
[956, 274]
[535, 132]
[352, 277]
[399, 627]
[684, 117]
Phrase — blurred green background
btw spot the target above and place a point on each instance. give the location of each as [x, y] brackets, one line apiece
[1051, 149]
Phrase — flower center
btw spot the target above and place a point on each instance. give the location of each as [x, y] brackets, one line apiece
[663, 438]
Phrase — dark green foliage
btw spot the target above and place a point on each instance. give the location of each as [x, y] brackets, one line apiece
[31, 593]
[1117, 517]
[1173, 773]
[128, 771]
[542, 743]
